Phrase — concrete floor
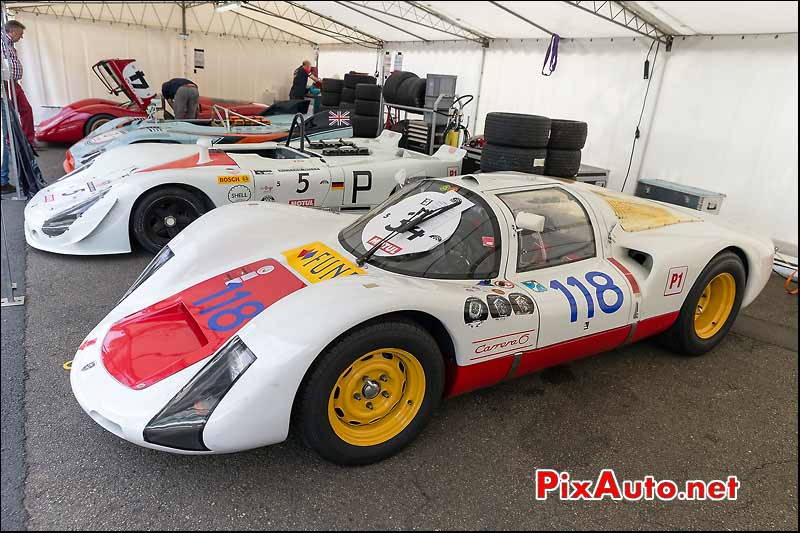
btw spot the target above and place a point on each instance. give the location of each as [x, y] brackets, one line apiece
[640, 410]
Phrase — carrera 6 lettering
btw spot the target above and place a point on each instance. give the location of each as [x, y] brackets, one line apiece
[483, 348]
[601, 288]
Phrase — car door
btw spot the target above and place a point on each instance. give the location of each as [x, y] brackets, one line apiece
[363, 183]
[583, 301]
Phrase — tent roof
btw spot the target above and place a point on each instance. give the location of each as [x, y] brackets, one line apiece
[368, 23]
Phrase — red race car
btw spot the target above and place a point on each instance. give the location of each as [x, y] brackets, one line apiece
[120, 76]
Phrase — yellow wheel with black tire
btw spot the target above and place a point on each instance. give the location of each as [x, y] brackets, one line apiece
[710, 308]
[371, 392]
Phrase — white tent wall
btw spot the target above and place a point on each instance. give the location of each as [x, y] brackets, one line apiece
[58, 53]
[726, 121]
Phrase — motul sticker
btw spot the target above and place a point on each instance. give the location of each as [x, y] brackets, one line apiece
[232, 180]
[676, 278]
[316, 262]
[303, 203]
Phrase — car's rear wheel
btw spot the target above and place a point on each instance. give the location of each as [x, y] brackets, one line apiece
[710, 308]
[370, 393]
[161, 214]
[95, 122]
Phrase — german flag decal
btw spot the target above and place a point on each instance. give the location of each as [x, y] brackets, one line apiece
[337, 185]
[317, 262]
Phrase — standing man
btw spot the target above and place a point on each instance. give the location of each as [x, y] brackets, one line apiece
[182, 95]
[12, 33]
[301, 75]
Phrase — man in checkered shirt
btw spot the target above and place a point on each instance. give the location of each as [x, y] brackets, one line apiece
[12, 32]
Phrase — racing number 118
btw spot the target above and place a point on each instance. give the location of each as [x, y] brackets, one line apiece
[600, 291]
[237, 312]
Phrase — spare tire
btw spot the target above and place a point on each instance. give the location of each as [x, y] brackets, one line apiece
[507, 158]
[392, 83]
[351, 80]
[562, 163]
[348, 95]
[332, 85]
[368, 108]
[412, 92]
[517, 130]
[331, 99]
[365, 91]
[365, 126]
[347, 106]
[567, 134]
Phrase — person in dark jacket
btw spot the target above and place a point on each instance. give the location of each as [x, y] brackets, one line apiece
[301, 75]
[182, 95]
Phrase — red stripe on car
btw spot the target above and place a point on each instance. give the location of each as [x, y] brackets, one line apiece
[627, 273]
[218, 158]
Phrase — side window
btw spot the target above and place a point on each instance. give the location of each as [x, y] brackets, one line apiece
[567, 235]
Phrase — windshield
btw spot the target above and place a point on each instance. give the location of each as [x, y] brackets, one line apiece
[460, 243]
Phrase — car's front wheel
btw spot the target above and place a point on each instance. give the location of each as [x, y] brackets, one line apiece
[371, 392]
[163, 213]
[710, 308]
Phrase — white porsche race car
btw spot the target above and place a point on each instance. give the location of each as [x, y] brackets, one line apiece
[152, 191]
[261, 314]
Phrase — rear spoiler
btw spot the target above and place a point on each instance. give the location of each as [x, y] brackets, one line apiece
[450, 153]
[389, 138]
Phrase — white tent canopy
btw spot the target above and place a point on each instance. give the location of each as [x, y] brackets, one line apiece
[370, 23]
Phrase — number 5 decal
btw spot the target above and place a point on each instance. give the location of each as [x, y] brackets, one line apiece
[302, 182]
[600, 288]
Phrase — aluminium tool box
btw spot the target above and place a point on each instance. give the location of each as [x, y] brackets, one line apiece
[682, 195]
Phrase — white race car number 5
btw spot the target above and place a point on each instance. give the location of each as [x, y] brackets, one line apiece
[302, 182]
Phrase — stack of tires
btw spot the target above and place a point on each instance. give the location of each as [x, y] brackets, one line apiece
[567, 138]
[515, 142]
[366, 117]
[351, 79]
[331, 93]
[405, 88]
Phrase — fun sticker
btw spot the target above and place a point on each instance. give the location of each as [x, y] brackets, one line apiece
[317, 262]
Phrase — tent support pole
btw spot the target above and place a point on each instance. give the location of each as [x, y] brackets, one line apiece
[480, 84]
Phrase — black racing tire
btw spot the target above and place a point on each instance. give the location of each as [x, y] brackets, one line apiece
[517, 130]
[351, 80]
[368, 108]
[314, 406]
[331, 99]
[682, 336]
[567, 134]
[392, 83]
[151, 210]
[496, 158]
[95, 122]
[562, 163]
[348, 95]
[347, 106]
[367, 91]
[364, 126]
[412, 92]
[332, 85]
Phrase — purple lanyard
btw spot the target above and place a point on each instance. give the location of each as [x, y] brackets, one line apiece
[552, 48]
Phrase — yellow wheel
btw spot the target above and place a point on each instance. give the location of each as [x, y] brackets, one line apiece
[710, 307]
[376, 397]
[714, 306]
[371, 392]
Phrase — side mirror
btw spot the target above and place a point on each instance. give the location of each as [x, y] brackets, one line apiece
[529, 221]
[204, 143]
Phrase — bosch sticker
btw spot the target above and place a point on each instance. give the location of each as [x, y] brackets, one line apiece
[232, 180]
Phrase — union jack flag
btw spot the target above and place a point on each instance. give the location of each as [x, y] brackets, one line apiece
[338, 118]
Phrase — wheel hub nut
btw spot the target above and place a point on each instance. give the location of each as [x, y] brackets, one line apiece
[170, 221]
[370, 389]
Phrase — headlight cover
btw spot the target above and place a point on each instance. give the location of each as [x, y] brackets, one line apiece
[158, 261]
[61, 222]
[180, 424]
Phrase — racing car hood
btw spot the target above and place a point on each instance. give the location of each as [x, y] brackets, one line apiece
[223, 270]
[105, 172]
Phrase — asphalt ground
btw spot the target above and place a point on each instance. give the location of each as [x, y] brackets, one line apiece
[640, 410]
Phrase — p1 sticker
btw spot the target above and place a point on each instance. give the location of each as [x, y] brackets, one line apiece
[676, 278]
[233, 180]
[452, 171]
[316, 262]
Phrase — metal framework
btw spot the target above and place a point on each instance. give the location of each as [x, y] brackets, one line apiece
[524, 19]
[423, 16]
[231, 23]
[619, 14]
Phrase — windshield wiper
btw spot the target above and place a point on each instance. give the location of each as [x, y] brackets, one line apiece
[421, 216]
